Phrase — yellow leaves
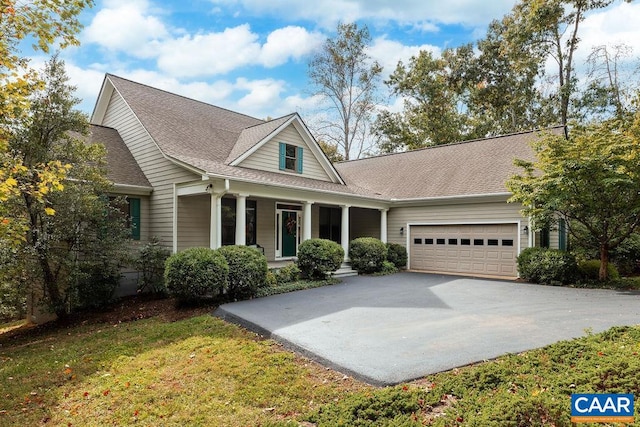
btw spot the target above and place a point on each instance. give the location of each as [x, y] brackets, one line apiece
[50, 211]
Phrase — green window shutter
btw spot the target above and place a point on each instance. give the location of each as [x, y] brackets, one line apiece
[283, 152]
[300, 150]
[562, 235]
[134, 213]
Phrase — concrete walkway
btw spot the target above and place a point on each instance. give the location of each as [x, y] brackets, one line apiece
[390, 329]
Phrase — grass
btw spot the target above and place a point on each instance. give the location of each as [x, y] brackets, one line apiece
[198, 371]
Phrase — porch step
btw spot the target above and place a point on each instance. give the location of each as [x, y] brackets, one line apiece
[345, 270]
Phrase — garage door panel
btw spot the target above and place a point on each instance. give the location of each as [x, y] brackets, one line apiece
[465, 248]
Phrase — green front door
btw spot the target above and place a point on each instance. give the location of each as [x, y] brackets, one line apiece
[289, 233]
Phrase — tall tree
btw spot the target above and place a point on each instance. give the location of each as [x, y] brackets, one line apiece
[48, 23]
[73, 230]
[591, 180]
[433, 90]
[550, 29]
[344, 75]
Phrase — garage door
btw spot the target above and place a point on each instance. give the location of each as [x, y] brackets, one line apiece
[487, 249]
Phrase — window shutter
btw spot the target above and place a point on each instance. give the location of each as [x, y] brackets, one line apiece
[562, 235]
[134, 212]
[283, 152]
[300, 150]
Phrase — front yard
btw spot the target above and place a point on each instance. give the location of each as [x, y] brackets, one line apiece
[150, 364]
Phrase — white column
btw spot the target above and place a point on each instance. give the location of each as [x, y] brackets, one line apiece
[306, 226]
[174, 220]
[218, 221]
[241, 219]
[383, 225]
[213, 223]
[344, 231]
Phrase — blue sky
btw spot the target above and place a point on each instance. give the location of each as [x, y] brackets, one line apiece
[251, 55]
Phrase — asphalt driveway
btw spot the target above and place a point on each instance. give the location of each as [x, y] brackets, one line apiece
[389, 329]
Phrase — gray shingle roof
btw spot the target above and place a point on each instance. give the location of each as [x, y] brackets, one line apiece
[121, 166]
[250, 136]
[467, 168]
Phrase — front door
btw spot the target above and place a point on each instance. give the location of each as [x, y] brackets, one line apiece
[289, 233]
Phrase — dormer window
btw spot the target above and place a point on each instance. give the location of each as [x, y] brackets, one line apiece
[290, 158]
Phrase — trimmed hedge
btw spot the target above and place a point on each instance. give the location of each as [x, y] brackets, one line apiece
[367, 254]
[317, 258]
[287, 274]
[196, 273]
[547, 266]
[590, 270]
[247, 270]
[397, 254]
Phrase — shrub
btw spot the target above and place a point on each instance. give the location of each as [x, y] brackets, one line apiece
[247, 270]
[590, 270]
[150, 262]
[270, 280]
[196, 273]
[397, 254]
[547, 266]
[95, 285]
[288, 273]
[13, 292]
[387, 268]
[367, 254]
[626, 256]
[319, 257]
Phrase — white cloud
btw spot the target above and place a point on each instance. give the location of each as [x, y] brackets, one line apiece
[261, 95]
[389, 52]
[288, 42]
[126, 27]
[209, 54]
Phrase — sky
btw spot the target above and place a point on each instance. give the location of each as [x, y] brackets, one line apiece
[251, 56]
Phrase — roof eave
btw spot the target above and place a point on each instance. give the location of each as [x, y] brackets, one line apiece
[454, 199]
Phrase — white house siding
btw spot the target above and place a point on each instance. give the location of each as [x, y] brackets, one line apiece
[400, 217]
[160, 172]
[267, 157]
[364, 223]
[265, 223]
[194, 221]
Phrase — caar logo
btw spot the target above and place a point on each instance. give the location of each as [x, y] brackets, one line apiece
[604, 408]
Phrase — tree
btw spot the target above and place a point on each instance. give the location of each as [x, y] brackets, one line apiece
[344, 75]
[331, 151]
[74, 232]
[549, 29]
[591, 180]
[47, 22]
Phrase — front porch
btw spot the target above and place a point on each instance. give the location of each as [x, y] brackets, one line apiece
[277, 222]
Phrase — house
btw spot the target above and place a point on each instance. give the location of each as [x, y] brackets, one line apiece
[199, 175]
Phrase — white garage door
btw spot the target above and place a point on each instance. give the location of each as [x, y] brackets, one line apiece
[486, 249]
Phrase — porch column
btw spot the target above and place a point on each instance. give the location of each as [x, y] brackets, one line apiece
[383, 225]
[306, 227]
[219, 221]
[174, 220]
[241, 219]
[214, 221]
[344, 231]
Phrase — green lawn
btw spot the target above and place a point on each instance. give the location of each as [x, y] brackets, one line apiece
[203, 371]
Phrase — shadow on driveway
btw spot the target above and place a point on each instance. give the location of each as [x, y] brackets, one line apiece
[389, 329]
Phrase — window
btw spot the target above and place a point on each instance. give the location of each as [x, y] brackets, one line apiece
[440, 241]
[330, 223]
[465, 242]
[492, 242]
[290, 157]
[417, 241]
[507, 242]
[134, 215]
[428, 241]
[478, 242]
[453, 241]
[229, 222]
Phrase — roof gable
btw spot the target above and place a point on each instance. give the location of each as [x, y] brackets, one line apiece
[252, 137]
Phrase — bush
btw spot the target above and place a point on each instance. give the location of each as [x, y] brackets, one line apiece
[13, 291]
[247, 270]
[271, 280]
[95, 285]
[387, 268]
[590, 270]
[547, 266]
[367, 254]
[288, 273]
[626, 256]
[317, 258]
[397, 254]
[196, 273]
[150, 262]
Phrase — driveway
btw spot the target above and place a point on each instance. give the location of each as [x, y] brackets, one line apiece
[390, 329]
